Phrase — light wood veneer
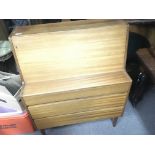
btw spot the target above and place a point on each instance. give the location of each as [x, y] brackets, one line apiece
[72, 71]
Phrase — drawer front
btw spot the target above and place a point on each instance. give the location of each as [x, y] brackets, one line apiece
[49, 122]
[78, 105]
[77, 94]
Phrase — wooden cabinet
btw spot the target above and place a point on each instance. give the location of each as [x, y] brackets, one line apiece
[73, 71]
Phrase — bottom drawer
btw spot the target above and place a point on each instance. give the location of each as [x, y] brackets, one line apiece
[67, 119]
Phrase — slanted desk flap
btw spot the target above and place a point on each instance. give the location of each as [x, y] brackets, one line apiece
[70, 51]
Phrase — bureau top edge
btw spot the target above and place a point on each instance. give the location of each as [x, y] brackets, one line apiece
[63, 26]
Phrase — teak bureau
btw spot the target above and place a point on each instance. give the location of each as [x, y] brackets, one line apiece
[73, 71]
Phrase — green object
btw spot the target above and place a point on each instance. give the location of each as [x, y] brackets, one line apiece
[5, 48]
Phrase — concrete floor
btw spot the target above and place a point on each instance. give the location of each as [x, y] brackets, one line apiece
[136, 121]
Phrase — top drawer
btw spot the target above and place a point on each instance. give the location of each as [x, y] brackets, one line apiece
[97, 85]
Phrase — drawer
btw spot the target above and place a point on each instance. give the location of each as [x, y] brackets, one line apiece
[76, 88]
[49, 122]
[77, 105]
[76, 94]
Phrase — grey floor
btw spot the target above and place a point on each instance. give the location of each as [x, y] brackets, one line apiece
[136, 121]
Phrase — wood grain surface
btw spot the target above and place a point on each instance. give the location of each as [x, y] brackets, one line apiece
[83, 87]
[77, 105]
[61, 120]
[74, 53]
[52, 27]
[73, 71]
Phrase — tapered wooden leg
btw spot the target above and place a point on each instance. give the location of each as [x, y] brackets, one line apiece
[114, 121]
[43, 131]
